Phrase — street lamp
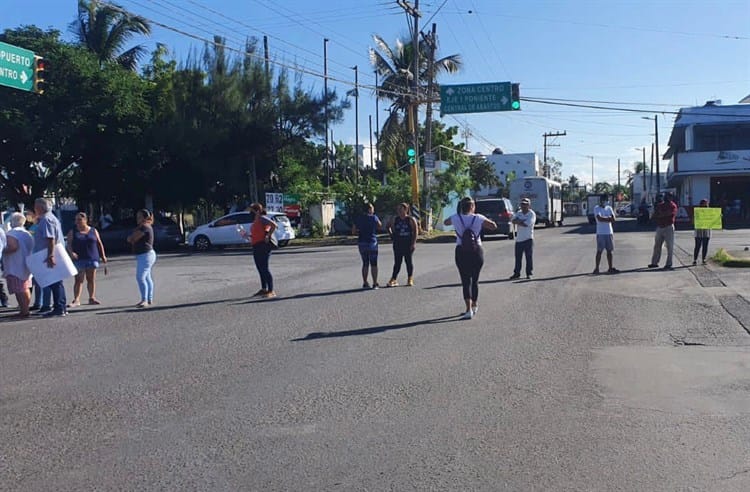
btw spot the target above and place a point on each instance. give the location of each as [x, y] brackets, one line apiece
[656, 137]
[592, 171]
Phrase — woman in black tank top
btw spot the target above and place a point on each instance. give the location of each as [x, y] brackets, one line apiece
[403, 231]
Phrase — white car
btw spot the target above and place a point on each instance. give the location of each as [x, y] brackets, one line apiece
[224, 231]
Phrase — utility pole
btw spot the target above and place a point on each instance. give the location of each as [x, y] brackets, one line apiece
[325, 103]
[356, 123]
[656, 138]
[546, 172]
[414, 97]
[644, 170]
[372, 165]
[266, 58]
[431, 40]
[652, 170]
[592, 172]
[377, 120]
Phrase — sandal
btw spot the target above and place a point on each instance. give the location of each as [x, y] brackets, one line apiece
[74, 303]
[141, 304]
[94, 301]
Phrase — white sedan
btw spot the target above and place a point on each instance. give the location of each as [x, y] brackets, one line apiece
[225, 231]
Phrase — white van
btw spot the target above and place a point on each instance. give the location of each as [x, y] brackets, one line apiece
[545, 196]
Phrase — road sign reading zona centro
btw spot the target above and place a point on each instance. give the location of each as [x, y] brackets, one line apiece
[16, 67]
[475, 98]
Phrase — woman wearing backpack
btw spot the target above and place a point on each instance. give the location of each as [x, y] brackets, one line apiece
[469, 252]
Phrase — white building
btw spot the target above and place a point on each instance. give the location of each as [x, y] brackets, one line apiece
[709, 157]
[511, 166]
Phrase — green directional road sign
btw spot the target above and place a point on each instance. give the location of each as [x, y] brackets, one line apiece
[475, 98]
[16, 67]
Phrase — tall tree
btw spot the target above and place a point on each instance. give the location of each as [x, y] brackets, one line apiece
[395, 66]
[105, 29]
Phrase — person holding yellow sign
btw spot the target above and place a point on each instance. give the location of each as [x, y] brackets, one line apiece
[702, 231]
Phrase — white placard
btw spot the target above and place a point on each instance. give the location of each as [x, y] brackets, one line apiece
[275, 202]
[45, 275]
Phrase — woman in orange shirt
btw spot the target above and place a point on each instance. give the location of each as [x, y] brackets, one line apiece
[261, 231]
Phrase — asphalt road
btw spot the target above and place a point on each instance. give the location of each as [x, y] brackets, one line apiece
[637, 381]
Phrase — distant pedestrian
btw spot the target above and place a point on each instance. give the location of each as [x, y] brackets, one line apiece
[665, 213]
[142, 242]
[261, 231]
[86, 250]
[469, 254]
[403, 230]
[3, 295]
[525, 220]
[605, 236]
[702, 236]
[42, 297]
[17, 274]
[47, 235]
[366, 228]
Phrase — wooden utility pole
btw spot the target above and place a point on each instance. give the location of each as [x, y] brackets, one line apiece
[432, 42]
[356, 123]
[325, 95]
[413, 109]
[546, 171]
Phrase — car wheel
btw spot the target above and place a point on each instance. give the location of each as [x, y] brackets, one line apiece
[202, 243]
[283, 243]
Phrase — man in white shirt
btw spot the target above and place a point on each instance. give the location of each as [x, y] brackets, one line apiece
[525, 220]
[3, 244]
[605, 235]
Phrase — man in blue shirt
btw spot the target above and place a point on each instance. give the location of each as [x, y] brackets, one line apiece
[47, 234]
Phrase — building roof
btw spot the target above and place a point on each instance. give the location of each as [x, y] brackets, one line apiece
[708, 114]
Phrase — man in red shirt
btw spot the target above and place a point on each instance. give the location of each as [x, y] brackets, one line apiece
[665, 212]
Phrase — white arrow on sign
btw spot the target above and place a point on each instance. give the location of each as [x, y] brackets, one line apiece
[24, 77]
[504, 100]
[449, 91]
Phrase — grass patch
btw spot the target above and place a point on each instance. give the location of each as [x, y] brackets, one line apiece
[725, 259]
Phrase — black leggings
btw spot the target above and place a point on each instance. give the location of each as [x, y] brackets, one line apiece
[261, 255]
[700, 242]
[402, 252]
[469, 265]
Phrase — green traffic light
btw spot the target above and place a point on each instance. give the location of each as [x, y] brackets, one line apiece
[516, 105]
[411, 152]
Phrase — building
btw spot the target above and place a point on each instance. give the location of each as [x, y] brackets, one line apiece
[709, 157]
[511, 166]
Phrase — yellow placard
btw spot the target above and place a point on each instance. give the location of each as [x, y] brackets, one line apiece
[707, 218]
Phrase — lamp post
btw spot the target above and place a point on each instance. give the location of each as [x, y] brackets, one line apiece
[656, 138]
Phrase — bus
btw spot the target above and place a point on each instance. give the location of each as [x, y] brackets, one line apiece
[545, 196]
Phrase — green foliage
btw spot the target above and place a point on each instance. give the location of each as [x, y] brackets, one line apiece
[454, 181]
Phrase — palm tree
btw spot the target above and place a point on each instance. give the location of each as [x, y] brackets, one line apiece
[395, 67]
[105, 29]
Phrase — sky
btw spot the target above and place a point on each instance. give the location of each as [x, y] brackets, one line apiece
[652, 56]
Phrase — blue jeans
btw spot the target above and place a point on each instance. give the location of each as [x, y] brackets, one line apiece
[42, 297]
[59, 302]
[262, 255]
[144, 263]
[524, 248]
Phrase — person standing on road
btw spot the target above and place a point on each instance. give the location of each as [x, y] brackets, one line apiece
[86, 249]
[47, 234]
[403, 230]
[366, 228]
[605, 234]
[3, 295]
[17, 274]
[142, 242]
[665, 213]
[702, 236]
[525, 220]
[261, 231]
[469, 255]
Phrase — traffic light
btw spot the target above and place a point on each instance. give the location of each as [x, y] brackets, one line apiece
[515, 97]
[40, 67]
[411, 155]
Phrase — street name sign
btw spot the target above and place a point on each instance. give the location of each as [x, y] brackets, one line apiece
[16, 67]
[475, 98]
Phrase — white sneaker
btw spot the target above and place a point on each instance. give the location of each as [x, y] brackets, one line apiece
[468, 314]
[474, 309]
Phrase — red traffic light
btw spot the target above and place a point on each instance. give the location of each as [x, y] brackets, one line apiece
[40, 67]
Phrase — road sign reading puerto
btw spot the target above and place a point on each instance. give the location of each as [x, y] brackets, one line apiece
[16, 67]
[475, 98]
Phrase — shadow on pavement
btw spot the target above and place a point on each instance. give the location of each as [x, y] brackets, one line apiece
[376, 329]
[303, 296]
